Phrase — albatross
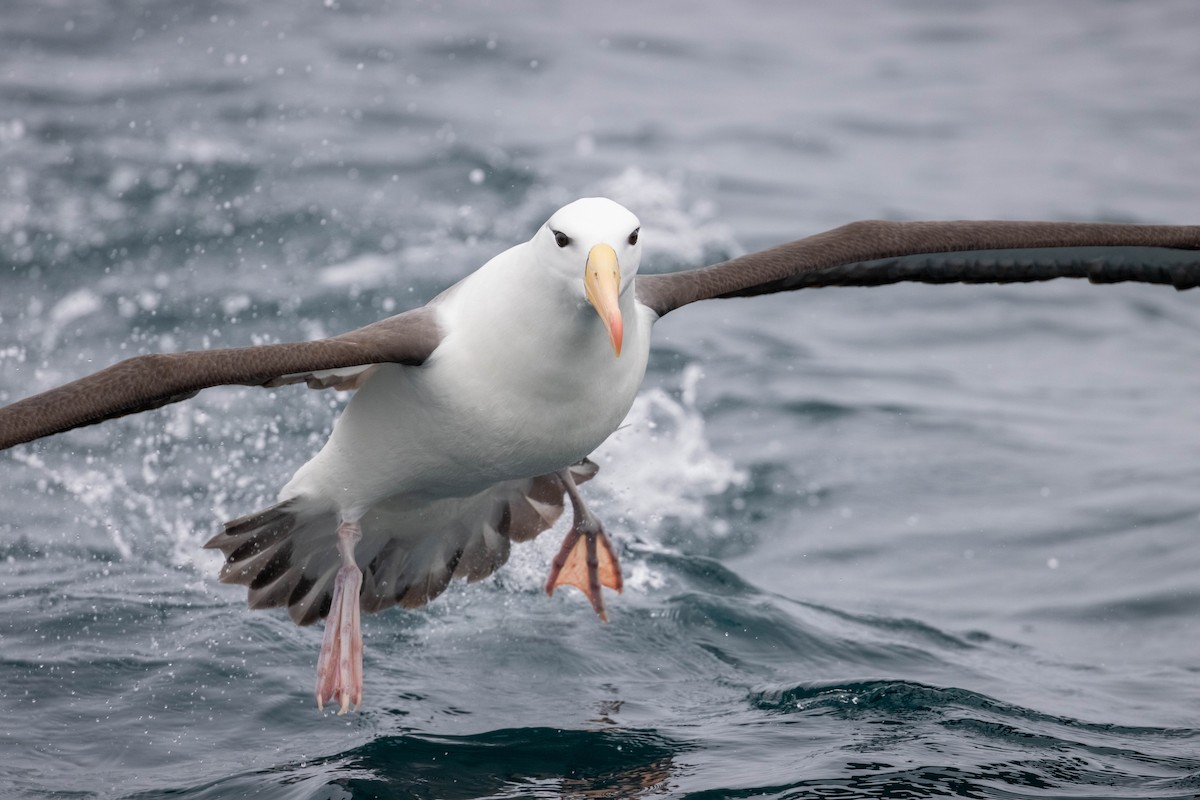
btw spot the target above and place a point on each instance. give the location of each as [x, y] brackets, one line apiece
[473, 416]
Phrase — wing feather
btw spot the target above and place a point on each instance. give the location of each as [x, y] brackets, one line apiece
[876, 252]
[409, 552]
[152, 381]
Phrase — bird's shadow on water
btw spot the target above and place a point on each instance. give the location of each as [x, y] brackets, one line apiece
[515, 762]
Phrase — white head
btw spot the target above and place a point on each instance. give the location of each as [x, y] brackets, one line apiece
[593, 243]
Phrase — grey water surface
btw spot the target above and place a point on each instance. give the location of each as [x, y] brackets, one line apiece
[910, 541]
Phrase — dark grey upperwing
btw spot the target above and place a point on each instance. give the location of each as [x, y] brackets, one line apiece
[876, 252]
[151, 381]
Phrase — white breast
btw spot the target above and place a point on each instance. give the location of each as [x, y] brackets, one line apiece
[524, 383]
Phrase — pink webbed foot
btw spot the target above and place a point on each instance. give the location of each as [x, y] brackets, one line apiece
[586, 559]
[339, 667]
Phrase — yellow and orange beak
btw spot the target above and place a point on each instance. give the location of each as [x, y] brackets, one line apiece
[602, 282]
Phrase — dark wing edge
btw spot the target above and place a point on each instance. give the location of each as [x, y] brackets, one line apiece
[151, 381]
[877, 252]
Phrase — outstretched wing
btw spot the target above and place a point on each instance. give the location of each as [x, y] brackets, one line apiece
[151, 381]
[876, 252]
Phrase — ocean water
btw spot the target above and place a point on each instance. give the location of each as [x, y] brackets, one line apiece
[910, 541]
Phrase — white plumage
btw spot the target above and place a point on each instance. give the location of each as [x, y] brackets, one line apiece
[524, 382]
[431, 471]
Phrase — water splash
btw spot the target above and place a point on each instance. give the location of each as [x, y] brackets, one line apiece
[657, 468]
[96, 491]
[112, 502]
[366, 271]
[677, 229]
[661, 455]
[74, 306]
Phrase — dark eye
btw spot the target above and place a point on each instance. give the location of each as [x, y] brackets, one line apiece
[633, 236]
[561, 239]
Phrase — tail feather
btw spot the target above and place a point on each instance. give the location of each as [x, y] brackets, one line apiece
[312, 597]
[256, 566]
[260, 529]
[287, 555]
[263, 552]
[276, 593]
[484, 553]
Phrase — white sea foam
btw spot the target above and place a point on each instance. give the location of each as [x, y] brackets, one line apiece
[677, 228]
[68, 309]
[188, 147]
[367, 271]
[111, 503]
[678, 225]
[663, 457]
[657, 468]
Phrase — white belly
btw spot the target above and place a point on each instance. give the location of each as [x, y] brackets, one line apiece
[480, 411]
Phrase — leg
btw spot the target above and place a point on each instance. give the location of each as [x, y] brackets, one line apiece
[586, 559]
[339, 667]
